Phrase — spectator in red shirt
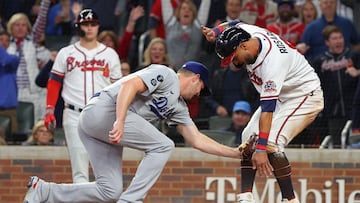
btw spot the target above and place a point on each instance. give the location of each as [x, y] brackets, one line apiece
[287, 26]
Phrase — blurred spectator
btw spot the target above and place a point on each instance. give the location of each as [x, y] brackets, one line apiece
[338, 70]
[313, 45]
[183, 32]
[344, 10]
[120, 13]
[156, 26]
[343, 7]
[126, 39]
[308, 12]
[40, 136]
[156, 53]
[233, 10]
[209, 57]
[108, 38]
[125, 68]
[24, 40]
[229, 85]
[122, 45]
[259, 12]
[241, 114]
[8, 91]
[299, 6]
[287, 26]
[60, 19]
[43, 54]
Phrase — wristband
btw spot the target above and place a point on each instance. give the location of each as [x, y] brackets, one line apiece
[262, 141]
[217, 30]
[50, 109]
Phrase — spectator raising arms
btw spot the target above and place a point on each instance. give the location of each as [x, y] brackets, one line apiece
[24, 40]
[183, 32]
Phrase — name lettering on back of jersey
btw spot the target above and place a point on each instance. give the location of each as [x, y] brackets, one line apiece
[269, 86]
[160, 108]
[88, 65]
[279, 43]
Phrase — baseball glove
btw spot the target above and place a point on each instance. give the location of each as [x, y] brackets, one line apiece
[247, 148]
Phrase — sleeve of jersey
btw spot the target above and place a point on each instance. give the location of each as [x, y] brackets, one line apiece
[268, 105]
[53, 89]
[153, 76]
[115, 67]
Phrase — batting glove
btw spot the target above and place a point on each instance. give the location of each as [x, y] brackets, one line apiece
[248, 147]
[50, 120]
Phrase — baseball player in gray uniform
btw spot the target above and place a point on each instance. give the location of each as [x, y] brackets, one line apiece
[290, 99]
[119, 116]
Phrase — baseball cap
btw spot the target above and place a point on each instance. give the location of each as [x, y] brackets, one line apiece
[289, 2]
[242, 106]
[202, 70]
[227, 43]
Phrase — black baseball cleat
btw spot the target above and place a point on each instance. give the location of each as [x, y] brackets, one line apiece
[33, 193]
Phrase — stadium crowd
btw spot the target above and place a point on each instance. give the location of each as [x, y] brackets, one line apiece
[168, 32]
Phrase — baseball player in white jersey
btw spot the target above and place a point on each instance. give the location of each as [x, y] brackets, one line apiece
[120, 116]
[290, 98]
[81, 69]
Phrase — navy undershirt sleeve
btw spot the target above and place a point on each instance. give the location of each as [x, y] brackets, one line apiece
[268, 105]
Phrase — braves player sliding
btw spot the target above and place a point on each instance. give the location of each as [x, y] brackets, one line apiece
[81, 69]
[290, 98]
[120, 116]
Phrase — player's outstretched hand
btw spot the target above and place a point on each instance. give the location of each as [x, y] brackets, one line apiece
[261, 162]
[208, 33]
[117, 132]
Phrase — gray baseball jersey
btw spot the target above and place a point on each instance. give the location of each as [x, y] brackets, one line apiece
[162, 99]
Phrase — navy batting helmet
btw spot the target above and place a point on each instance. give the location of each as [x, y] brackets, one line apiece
[228, 41]
[87, 15]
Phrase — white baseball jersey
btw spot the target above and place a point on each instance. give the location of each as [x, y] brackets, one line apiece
[85, 71]
[280, 71]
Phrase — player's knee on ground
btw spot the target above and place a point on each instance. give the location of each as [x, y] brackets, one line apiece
[280, 164]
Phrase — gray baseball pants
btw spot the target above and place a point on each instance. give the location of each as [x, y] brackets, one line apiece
[95, 122]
